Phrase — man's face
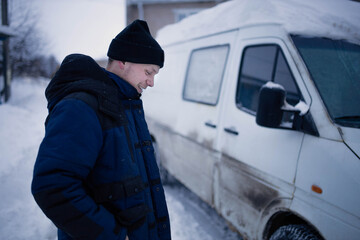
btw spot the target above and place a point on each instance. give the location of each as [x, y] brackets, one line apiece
[140, 76]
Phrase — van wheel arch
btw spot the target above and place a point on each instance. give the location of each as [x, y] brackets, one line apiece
[284, 218]
[166, 177]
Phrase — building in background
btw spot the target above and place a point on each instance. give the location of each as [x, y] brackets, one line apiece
[5, 33]
[159, 13]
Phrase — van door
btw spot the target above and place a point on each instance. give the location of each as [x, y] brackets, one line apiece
[258, 164]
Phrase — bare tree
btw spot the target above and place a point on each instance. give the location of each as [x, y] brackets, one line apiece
[27, 47]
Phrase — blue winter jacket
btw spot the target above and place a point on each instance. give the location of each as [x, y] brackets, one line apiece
[96, 175]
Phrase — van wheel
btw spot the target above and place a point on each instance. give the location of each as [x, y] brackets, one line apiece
[165, 176]
[294, 232]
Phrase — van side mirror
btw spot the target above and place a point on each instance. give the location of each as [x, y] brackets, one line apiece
[271, 101]
[272, 106]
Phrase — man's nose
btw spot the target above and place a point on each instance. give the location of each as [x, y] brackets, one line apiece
[150, 82]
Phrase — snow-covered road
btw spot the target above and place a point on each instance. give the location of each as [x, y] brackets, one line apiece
[21, 130]
[193, 219]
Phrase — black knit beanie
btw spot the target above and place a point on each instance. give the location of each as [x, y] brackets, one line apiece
[135, 44]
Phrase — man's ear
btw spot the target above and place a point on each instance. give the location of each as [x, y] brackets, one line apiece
[121, 64]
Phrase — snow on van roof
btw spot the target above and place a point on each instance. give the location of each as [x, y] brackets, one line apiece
[337, 19]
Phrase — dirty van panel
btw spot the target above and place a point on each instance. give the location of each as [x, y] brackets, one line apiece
[241, 196]
[244, 185]
[184, 160]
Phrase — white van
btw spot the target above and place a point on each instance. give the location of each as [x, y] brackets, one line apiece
[257, 111]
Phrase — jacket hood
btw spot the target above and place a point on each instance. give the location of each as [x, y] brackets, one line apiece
[80, 73]
[77, 73]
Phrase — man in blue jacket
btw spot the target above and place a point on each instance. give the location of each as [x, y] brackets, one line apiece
[96, 175]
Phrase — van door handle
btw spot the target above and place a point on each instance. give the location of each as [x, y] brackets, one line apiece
[231, 130]
[209, 124]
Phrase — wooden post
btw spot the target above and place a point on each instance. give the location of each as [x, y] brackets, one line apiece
[6, 68]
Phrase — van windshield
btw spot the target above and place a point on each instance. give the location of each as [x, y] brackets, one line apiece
[334, 66]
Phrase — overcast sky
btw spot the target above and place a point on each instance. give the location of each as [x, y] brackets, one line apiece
[80, 26]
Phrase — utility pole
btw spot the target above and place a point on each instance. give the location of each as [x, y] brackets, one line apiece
[5, 51]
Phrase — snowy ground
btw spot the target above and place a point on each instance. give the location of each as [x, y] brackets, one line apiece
[21, 131]
[193, 219]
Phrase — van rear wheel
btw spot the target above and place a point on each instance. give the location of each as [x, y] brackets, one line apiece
[294, 232]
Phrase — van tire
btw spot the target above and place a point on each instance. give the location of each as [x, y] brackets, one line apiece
[294, 232]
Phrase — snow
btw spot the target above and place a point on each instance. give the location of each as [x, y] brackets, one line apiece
[273, 85]
[22, 129]
[331, 18]
[301, 107]
[193, 219]
[7, 30]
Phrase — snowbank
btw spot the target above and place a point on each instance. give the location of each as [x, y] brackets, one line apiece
[21, 129]
[338, 19]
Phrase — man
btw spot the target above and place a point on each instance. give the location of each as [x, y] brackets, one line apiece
[95, 175]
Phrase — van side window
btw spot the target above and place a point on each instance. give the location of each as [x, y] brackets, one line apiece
[259, 65]
[205, 73]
